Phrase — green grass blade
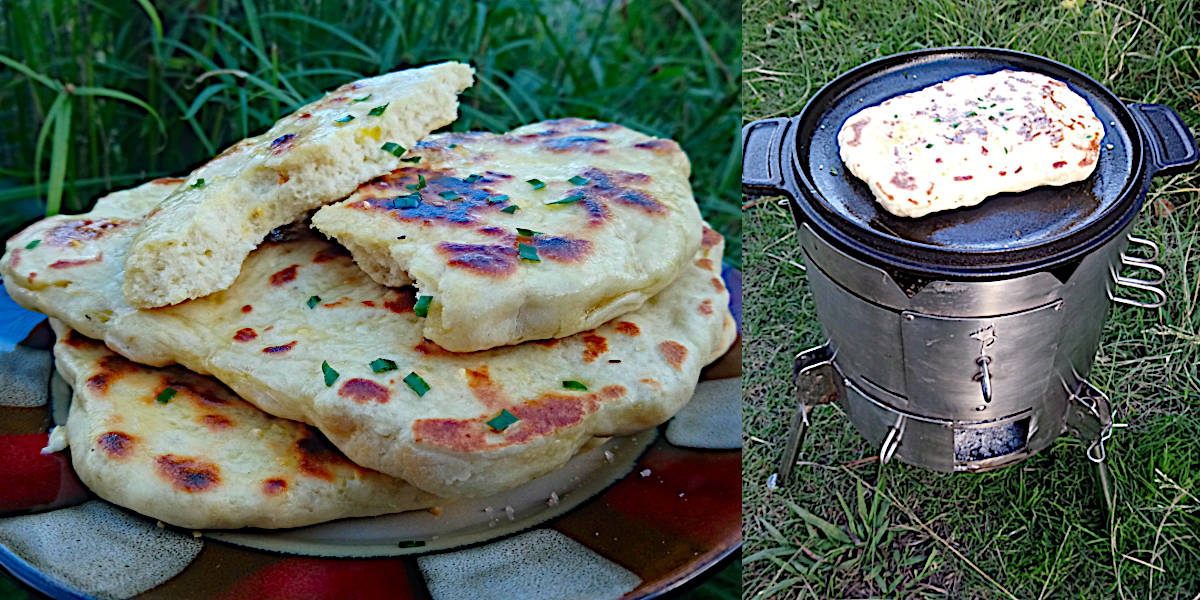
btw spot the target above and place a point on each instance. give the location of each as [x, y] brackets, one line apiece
[119, 95]
[59, 153]
[369, 54]
[830, 530]
[43, 136]
[154, 20]
[30, 73]
[202, 97]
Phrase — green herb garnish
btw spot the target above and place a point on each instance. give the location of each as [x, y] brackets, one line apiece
[165, 396]
[419, 185]
[394, 148]
[363, 99]
[410, 544]
[955, 126]
[833, 172]
[344, 120]
[571, 384]
[330, 375]
[972, 113]
[536, 183]
[411, 159]
[450, 195]
[378, 110]
[497, 199]
[422, 306]
[313, 301]
[569, 199]
[472, 178]
[32, 245]
[928, 145]
[577, 180]
[409, 201]
[937, 120]
[452, 146]
[510, 209]
[528, 252]
[502, 421]
[417, 384]
[526, 232]
[199, 184]
[383, 365]
[991, 118]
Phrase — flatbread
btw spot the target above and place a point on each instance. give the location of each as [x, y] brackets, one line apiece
[630, 227]
[301, 303]
[958, 142]
[195, 243]
[184, 449]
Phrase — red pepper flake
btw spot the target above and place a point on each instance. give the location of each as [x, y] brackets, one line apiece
[247, 308]
[1003, 173]
[984, 148]
[245, 334]
[1060, 164]
[964, 177]
[1018, 170]
[284, 275]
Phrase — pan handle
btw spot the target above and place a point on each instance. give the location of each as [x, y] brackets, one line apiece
[1171, 145]
[762, 157]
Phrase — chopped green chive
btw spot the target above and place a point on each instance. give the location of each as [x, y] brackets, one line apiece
[409, 201]
[411, 159]
[32, 245]
[972, 113]
[313, 301]
[1006, 150]
[937, 120]
[410, 544]
[1004, 127]
[833, 172]
[363, 99]
[419, 185]
[330, 375]
[378, 110]
[344, 120]
[417, 384]
[528, 252]
[449, 195]
[497, 199]
[955, 126]
[394, 148]
[383, 365]
[526, 232]
[991, 118]
[472, 178]
[422, 306]
[510, 209]
[199, 183]
[895, 116]
[502, 421]
[536, 183]
[569, 199]
[993, 104]
[571, 384]
[452, 146]
[165, 396]
[577, 180]
[928, 145]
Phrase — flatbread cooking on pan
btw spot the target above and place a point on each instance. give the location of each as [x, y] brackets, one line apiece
[195, 243]
[958, 142]
[182, 448]
[304, 334]
[543, 232]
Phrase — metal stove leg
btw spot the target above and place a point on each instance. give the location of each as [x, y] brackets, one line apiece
[813, 381]
[1089, 416]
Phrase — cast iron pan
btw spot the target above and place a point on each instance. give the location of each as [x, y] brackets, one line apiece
[1005, 235]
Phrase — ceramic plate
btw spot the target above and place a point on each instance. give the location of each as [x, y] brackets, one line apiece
[635, 517]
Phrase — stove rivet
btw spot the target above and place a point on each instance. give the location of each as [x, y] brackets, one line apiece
[909, 317]
[980, 408]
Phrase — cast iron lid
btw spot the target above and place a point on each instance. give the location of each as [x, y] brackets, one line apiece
[1007, 233]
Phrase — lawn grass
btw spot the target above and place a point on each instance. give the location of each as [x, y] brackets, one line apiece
[1038, 529]
[156, 91]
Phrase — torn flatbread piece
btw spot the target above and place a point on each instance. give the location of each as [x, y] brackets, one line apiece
[543, 232]
[183, 448]
[958, 142]
[195, 242]
[305, 334]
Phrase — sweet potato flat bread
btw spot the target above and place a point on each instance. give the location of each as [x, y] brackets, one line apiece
[543, 232]
[965, 139]
[304, 334]
[194, 244]
[184, 449]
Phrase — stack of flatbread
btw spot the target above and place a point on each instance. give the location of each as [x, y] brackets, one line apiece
[348, 315]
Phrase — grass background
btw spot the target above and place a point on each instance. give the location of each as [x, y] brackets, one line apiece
[97, 96]
[1038, 529]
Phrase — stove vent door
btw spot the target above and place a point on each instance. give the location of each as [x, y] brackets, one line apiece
[980, 368]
